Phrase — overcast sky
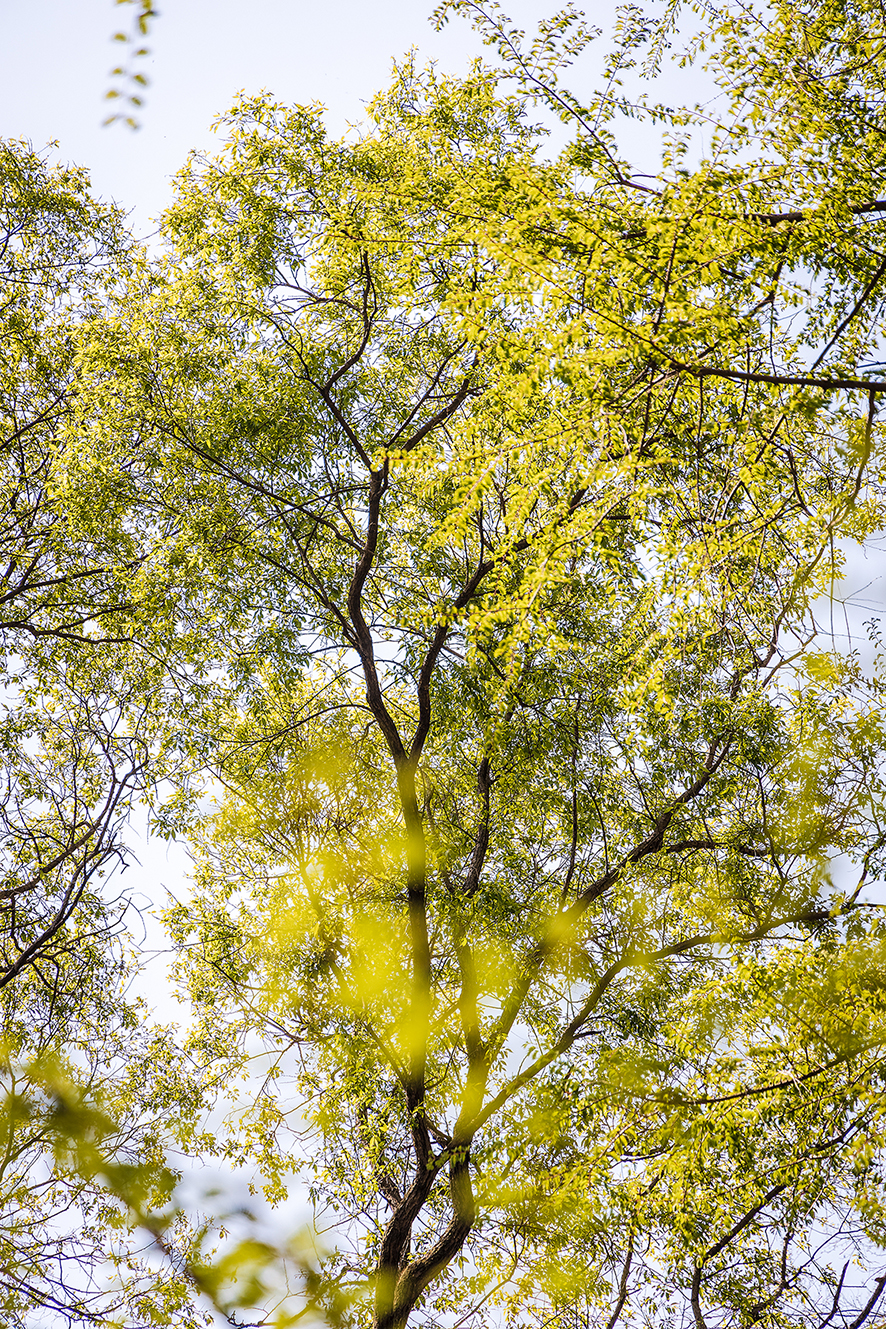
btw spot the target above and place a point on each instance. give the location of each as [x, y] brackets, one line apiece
[55, 58]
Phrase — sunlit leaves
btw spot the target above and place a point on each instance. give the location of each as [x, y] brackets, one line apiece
[485, 504]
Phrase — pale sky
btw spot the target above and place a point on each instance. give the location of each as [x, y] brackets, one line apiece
[55, 58]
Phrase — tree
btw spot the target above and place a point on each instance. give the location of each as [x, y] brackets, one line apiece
[66, 773]
[506, 492]
[79, 1055]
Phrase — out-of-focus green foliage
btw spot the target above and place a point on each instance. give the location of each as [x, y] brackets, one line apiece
[475, 509]
[129, 80]
[86, 1089]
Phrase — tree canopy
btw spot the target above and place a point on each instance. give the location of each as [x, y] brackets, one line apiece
[447, 531]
